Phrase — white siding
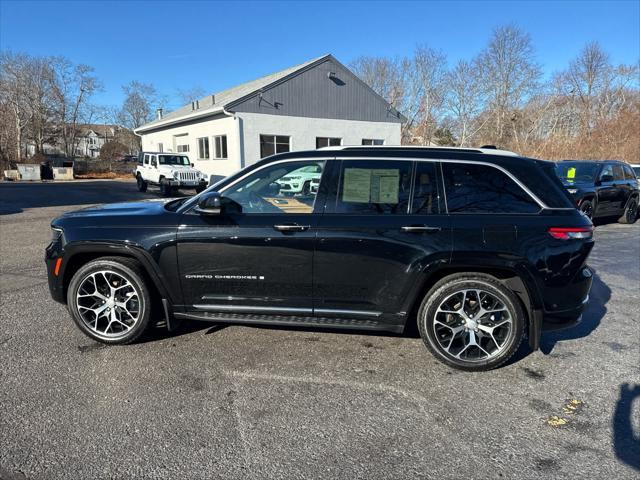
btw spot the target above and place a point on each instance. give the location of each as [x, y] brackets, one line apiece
[303, 131]
[207, 128]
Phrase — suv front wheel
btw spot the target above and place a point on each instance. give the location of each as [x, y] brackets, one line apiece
[142, 185]
[109, 300]
[471, 322]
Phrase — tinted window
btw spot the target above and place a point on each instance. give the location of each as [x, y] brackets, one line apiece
[628, 173]
[572, 171]
[279, 188]
[484, 189]
[606, 175]
[425, 190]
[618, 173]
[374, 187]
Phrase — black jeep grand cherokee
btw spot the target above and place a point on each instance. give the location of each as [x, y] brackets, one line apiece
[479, 247]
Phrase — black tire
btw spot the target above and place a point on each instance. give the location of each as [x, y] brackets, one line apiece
[630, 214]
[131, 271]
[200, 189]
[448, 288]
[306, 188]
[165, 188]
[588, 208]
[142, 185]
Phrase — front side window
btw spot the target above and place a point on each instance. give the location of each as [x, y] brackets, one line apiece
[174, 160]
[374, 187]
[203, 148]
[472, 188]
[328, 142]
[286, 187]
[272, 144]
[220, 143]
[372, 141]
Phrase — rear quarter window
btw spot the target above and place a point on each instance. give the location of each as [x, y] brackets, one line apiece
[473, 188]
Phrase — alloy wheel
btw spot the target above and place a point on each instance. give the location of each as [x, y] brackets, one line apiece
[108, 304]
[473, 325]
[632, 211]
[587, 209]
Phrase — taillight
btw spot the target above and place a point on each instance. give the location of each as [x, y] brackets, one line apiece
[570, 233]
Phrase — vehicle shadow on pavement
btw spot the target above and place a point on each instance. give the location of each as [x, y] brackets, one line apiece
[626, 442]
[599, 296]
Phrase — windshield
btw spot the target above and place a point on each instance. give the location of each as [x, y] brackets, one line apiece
[174, 160]
[636, 170]
[576, 171]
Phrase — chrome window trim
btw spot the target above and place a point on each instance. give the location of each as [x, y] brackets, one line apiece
[533, 196]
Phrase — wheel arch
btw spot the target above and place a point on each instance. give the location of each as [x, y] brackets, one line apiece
[518, 281]
[80, 255]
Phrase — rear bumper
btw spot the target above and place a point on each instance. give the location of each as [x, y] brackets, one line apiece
[577, 297]
[564, 319]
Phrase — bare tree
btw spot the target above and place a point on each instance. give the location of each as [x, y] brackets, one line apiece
[188, 95]
[464, 100]
[138, 106]
[14, 85]
[72, 87]
[509, 74]
[426, 92]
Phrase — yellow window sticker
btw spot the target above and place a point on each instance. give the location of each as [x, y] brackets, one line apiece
[571, 173]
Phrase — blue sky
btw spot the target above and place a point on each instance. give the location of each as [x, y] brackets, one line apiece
[215, 45]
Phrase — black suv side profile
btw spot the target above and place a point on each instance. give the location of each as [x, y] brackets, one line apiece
[478, 247]
[602, 188]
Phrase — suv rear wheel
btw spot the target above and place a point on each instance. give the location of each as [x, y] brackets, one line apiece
[109, 300]
[471, 322]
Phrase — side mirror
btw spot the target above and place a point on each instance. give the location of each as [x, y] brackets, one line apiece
[210, 204]
[192, 164]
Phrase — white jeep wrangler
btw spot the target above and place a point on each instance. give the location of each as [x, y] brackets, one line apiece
[169, 171]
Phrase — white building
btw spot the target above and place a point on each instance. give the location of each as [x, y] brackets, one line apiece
[318, 103]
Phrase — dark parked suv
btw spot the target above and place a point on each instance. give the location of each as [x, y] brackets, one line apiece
[601, 188]
[479, 248]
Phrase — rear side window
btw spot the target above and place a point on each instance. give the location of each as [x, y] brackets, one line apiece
[374, 187]
[471, 188]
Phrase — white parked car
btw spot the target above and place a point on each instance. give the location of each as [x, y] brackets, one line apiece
[636, 169]
[300, 181]
[170, 171]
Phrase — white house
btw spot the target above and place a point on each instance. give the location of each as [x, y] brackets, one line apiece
[315, 104]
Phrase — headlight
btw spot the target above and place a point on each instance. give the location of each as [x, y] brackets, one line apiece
[572, 190]
[56, 233]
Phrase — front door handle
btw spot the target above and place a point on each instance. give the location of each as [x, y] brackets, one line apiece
[291, 227]
[420, 229]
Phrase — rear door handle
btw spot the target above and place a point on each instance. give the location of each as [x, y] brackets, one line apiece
[420, 229]
[291, 227]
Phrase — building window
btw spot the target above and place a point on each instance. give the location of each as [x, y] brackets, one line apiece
[182, 148]
[203, 148]
[372, 141]
[220, 143]
[328, 142]
[160, 147]
[272, 144]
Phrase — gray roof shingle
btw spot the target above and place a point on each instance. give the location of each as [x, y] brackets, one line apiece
[228, 96]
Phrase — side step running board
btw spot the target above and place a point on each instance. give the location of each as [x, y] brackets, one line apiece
[291, 320]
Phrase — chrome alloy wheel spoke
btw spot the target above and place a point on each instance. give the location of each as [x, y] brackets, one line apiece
[472, 325]
[108, 303]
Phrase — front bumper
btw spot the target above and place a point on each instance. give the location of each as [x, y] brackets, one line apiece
[52, 254]
[187, 184]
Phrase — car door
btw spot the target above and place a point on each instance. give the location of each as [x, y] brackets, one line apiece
[622, 187]
[382, 229]
[607, 193]
[256, 257]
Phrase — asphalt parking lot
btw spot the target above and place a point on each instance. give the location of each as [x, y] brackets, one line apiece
[254, 403]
